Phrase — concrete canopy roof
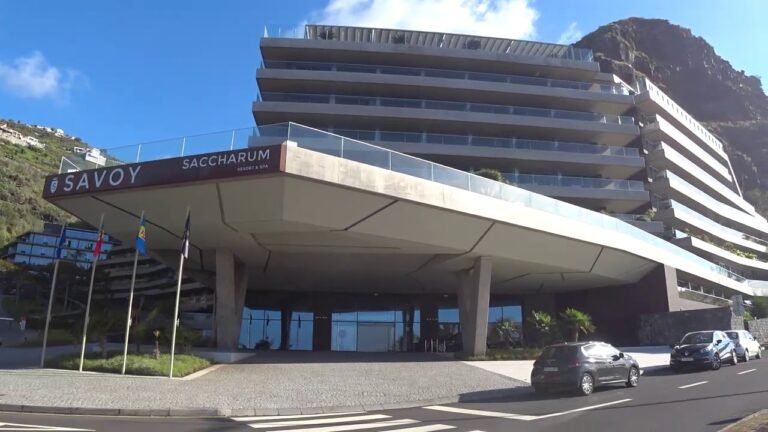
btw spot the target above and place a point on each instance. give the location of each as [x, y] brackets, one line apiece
[319, 222]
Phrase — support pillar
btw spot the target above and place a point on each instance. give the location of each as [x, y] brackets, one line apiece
[474, 296]
[231, 282]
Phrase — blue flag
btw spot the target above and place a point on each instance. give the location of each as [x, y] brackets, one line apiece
[185, 239]
[141, 238]
[60, 244]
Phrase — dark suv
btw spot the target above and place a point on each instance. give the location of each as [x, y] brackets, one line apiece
[583, 366]
[703, 349]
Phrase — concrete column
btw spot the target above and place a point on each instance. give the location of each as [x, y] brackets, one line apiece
[474, 297]
[231, 282]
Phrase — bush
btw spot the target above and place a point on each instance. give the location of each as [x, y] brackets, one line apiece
[56, 337]
[137, 364]
[506, 354]
[491, 174]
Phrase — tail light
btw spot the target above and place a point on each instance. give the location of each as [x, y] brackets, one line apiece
[574, 363]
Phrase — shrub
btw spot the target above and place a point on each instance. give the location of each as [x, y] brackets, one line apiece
[137, 364]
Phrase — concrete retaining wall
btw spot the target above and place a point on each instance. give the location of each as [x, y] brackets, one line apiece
[669, 327]
[759, 329]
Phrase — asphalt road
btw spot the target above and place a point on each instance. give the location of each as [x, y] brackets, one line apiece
[694, 401]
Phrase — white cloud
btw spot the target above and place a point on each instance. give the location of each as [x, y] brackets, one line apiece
[32, 77]
[570, 35]
[514, 19]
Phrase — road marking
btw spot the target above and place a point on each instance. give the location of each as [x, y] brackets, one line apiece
[427, 428]
[278, 417]
[747, 371]
[28, 427]
[343, 428]
[693, 385]
[317, 421]
[587, 408]
[481, 413]
[522, 417]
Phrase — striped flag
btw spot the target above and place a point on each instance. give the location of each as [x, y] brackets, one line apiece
[97, 248]
[60, 244]
[185, 238]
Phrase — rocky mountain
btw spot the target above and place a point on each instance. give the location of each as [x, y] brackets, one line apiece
[730, 103]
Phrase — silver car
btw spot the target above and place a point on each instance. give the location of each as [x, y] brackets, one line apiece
[746, 344]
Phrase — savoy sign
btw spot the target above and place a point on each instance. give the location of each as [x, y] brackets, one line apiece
[219, 165]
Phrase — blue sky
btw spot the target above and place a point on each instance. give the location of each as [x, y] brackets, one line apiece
[123, 72]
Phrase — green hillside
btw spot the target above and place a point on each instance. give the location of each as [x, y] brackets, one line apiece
[22, 172]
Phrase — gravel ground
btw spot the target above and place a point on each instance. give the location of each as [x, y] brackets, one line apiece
[270, 380]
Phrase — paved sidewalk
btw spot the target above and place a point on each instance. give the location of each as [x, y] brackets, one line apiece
[648, 357]
[267, 384]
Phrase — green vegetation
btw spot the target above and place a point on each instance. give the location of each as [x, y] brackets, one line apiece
[577, 322]
[760, 307]
[507, 354]
[545, 327]
[491, 174]
[137, 364]
[22, 173]
[758, 198]
[56, 337]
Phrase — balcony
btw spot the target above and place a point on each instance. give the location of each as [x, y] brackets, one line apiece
[670, 185]
[447, 106]
[451, 74]
[574, 182]
[662, 156]
[672, 212]
[657, 128]
[438, 40]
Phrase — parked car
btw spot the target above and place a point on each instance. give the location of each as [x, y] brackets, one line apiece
[582, 367]
[746, 344]
[703, 349]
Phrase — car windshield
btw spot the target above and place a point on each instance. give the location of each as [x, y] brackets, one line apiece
[733, 335]
[697, 338]
[560, 352]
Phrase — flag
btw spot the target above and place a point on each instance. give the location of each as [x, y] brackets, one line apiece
[97, 247]
[60, 244]
[141, 238]
[185, 239]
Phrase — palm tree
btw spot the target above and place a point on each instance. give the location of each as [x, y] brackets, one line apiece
[578, 321]
[544, 324]
[506, 331]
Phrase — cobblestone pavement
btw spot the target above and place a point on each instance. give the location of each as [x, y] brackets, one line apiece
[269, 381]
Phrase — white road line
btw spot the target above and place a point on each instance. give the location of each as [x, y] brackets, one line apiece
[587, 408]
[317, 421]
[27, 427]
[427, 428]
[278, 417]
[480, 413]
[510, 416]
[746, 371]
[693, 385]
[343, 428]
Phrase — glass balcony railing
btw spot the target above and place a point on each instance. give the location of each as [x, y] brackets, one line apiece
[712, 204]
[481, 141]
[448, 106]
[574, 182]
[709, 226]
[345, 148]
[451, 74]
[440, 40]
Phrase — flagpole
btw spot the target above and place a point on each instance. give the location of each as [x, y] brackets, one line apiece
[90, 294]
[50, 305]
[128, 320]
[178, 295]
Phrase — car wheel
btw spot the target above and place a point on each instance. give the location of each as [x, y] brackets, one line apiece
[734, 358]
[539, 390]
[746, 355]
[634, 377]
[586, 384]
[676, 369]
[716, 363]
[759, 354]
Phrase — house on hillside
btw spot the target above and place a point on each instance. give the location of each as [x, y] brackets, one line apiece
[33, 142]
[59, 132]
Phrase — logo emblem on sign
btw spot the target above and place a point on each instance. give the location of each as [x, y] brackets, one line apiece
[54, 185]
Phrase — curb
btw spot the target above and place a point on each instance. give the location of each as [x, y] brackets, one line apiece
[237, 412]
